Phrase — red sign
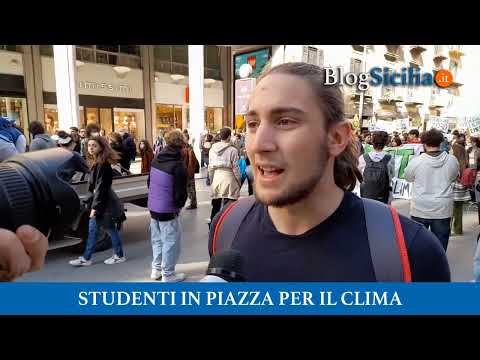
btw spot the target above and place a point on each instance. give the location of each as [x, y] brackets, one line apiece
[187, 94]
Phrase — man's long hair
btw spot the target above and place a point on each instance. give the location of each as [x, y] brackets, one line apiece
[330, 100]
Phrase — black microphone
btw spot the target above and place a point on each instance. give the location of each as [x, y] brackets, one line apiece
[226, 266]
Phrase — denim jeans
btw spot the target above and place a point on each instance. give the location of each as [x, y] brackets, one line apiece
[92, 239]
[440, 227]
[166, 240]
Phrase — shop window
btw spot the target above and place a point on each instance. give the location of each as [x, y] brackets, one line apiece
[109, 48]
[130, 49]
[46, 50]
[86, 55]
[162, 52]
[16, 48]
[163, 58]
[165, 117]
[104, 58]
[180, 54]
[16, 109]
[213, 119]
[132, 121]
[51, 121]
[212, 56]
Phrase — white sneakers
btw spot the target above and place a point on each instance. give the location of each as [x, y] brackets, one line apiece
[115, 259]
[80, 262]
[110, 261]
[174, 278]
[156, 274]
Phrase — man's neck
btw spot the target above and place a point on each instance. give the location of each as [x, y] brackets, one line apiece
[299, 218]
[432, 149]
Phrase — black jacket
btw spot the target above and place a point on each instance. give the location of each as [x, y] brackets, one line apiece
[129, 144]
[169, 161]
[101, 196]
[75, 164]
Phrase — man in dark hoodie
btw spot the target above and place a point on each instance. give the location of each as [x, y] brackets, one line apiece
[40, 140]
[129, 144]
[167, 195]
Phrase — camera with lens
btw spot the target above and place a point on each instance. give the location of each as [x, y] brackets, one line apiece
[33, 192]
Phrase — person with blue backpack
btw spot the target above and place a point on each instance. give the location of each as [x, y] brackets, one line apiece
[12, 141]
[304, 223]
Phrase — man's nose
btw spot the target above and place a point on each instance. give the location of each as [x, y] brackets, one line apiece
[263, 140]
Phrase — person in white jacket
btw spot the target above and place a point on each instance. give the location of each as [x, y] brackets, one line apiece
[223, 172]
[432, 174]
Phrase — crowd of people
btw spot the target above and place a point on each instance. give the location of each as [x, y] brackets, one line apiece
[306, 162]
[443, 177]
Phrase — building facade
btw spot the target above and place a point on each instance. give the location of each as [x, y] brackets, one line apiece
[143, 89]
[386, 102]
[146, 88]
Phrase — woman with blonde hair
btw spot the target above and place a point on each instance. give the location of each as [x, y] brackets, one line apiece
[105, 208]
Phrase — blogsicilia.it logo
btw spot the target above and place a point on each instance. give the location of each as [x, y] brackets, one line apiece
[377, 76]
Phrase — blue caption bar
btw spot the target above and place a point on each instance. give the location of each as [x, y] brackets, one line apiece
[239, 299]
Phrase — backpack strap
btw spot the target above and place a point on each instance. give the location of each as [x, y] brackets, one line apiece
[384, 232]
[386, 242]
[386, 159]
[229, 223]
[367, 158]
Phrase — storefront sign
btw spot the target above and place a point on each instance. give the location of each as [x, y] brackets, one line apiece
[438, 123]
[243, 90]
[123, 89]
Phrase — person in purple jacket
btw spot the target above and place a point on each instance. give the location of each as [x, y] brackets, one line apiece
[167, 195]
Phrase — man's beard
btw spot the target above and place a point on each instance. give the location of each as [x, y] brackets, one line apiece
[301, 191]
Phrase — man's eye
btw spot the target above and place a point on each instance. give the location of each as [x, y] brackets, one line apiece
[285, 122]
[252, 124]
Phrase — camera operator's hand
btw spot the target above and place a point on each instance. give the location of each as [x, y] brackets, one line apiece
[21, 252]
[93, 213]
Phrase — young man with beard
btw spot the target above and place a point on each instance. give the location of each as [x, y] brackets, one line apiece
[306, 224]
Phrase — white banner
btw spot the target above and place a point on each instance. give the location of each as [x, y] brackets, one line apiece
[401, 188]
[438, 123]
[383, 125]
[402, 125]
[474, 125]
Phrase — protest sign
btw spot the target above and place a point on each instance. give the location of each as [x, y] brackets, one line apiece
[383, 125]
[402, 125]
[474, 125]
[401, 188]
[439, 123]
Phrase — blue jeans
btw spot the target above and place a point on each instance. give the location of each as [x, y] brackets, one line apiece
[166, 238]
[92, 239]
[440, 227]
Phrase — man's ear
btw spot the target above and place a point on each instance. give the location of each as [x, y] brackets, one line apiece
[339, 136]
